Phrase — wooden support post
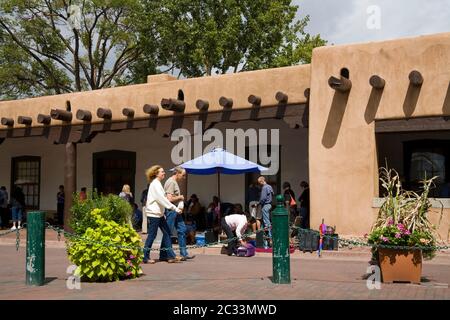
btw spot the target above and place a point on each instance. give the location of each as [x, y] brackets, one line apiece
[25, 120]
[84, 115]
[342, 85]
[416, 78]
[226, 102]
[254, 100]
[104, 113]
[202, 105]
[151, 109]
[174, 105]
[377, 82]
[70, 180]
[63, 115]
[128, 112]
[44, 119]
[7, 122]
[281, 97]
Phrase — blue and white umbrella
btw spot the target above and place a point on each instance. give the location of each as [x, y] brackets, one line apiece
[219, 161]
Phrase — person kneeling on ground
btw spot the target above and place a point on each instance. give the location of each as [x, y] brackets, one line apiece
[234, 225]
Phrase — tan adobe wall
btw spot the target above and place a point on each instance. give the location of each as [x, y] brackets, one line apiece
[263, 83]
[343, 160]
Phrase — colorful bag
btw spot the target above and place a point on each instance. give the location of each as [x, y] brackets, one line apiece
[292, 203]
[246, 251]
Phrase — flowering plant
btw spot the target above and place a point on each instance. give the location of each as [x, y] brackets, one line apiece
[399, 235]
[402, 219]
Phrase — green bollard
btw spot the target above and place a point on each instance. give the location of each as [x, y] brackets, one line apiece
[280, 243]
[35, 262]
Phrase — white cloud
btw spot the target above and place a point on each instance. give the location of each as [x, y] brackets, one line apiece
[345, 21]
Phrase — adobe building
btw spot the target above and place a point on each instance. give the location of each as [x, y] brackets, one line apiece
[340, 118]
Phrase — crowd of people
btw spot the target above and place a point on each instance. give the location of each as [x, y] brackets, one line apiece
[165, 208]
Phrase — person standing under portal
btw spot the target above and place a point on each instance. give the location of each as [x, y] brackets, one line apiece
[265, 202]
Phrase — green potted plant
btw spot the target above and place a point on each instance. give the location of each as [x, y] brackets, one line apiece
[402, 234]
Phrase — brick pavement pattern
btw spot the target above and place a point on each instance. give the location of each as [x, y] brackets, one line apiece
[213, 276]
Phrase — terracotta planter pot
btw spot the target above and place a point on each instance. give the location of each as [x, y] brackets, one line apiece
[400, 265]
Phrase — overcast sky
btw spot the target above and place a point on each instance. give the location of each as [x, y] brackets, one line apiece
[345, 21]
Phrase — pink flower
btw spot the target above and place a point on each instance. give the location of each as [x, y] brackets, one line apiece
[132, 257]
[407, 232]
[390, 222]
[128, 273]
[400, 227]
[398, 235]
[385, 239]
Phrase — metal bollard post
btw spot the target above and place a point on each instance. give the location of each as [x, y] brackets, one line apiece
[280, 234]
[35, 261]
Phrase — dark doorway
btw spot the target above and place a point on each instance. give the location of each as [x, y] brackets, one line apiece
[112, 169]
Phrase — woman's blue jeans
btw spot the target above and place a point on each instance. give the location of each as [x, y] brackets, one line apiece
[166, 245]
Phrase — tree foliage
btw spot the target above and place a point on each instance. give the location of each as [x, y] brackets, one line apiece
[49, 46]
[199, 37]
[58, 46]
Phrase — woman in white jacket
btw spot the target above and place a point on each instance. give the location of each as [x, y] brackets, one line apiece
[154, 209]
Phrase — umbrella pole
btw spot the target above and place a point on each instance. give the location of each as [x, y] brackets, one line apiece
[218, 186]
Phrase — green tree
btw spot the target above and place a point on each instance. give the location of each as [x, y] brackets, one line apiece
[58, 46]
[199, 37]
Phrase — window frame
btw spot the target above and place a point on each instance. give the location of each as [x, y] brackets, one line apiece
[409, 147]
[14, 162]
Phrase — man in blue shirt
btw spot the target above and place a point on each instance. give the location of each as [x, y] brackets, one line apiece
[265, 202]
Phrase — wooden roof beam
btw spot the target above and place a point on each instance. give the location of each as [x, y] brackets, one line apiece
[174, 105]
[104, 113]
[377, 82]
[340, 84]
[84, 115]
[151, 109]
[59, 114]
[25, 120]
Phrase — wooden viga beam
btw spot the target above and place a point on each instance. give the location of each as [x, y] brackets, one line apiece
[7, 122]
[151, 109]
[128, 112]
[415, 78]
[226, 102]
[281, 97]
[104, 113]
[24, 120]
[84, 115]
[59, 114]
[377, 82]
[340, 84]
[254, 100]
[44, 119]
[202, 105]
[174, 105]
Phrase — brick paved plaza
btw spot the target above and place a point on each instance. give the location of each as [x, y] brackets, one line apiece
[337, 275]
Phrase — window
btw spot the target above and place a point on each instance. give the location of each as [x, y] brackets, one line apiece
[425, 159]
[26, 174]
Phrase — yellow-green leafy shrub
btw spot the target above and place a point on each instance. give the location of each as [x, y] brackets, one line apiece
[96, 261]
